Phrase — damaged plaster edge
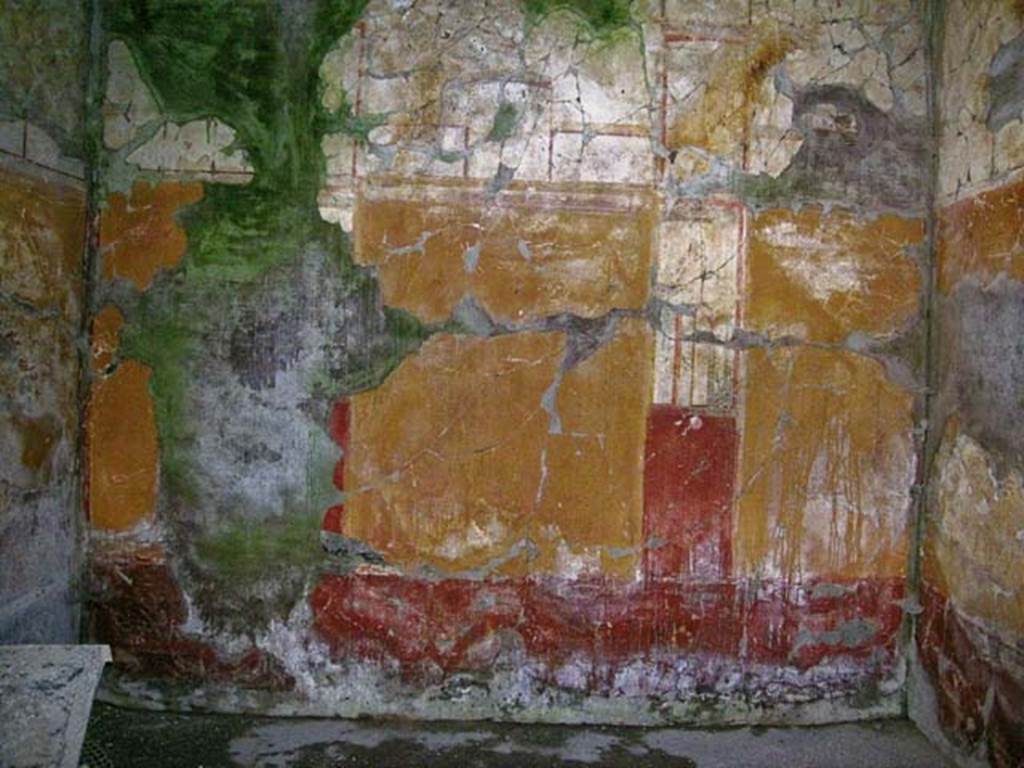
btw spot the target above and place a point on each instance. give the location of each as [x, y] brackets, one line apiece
[978, 188]
[727, 182]
[630, 711]
[923, 708]
[471, 319]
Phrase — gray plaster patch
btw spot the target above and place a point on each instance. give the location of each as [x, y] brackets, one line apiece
[852, 152]
[827, 590]
[471, 257]
[1006, 87]
[985, 325]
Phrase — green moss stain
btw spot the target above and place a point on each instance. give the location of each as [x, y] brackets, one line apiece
[254, 65]
[244, 550]
[248, 573]
[505, 121]
[602, 18]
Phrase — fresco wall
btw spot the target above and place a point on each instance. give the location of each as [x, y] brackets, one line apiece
[534, 360]
[43, 61]
[969, 634]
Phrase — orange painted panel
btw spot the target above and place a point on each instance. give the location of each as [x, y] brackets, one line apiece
[42, 243]
[983, 237]
[518, 262]
[106, 336]
[459, 461]
[821, 276]
[139, 235]
[592, 495]
[122, 445]
[826, 466]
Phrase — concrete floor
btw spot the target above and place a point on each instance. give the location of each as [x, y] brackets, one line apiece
[119, 737]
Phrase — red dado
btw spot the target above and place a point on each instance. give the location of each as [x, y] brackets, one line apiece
[457, 624]
[689, 475]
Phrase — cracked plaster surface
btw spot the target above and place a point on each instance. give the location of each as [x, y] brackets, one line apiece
[521, 173]
[972, 156]
[590, 227]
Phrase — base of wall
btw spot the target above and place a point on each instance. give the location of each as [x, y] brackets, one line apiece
[923, 711]
[966, 686]
[358, 696]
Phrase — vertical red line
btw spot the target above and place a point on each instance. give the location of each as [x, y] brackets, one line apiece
[677, 353]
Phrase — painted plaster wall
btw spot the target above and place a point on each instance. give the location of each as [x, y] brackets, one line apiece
[509, 359]
[968, 637]
[43, 61]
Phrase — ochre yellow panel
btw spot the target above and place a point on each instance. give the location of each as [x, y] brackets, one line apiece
[822, 276]
[518, 262]
[477, 455]
[444, 457]
[139, 235]
[593, 496]
[982, 237]
[42, 243]
[122, 449]
[827, 464]
[105, 336]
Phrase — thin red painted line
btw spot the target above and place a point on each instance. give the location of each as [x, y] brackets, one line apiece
[697, 328]
[677, 357]
[37, 164]
[733, 516]
[544, 83]
[675, 37]
[719, 202]
[634, 132]
[506, 201]
[693, 366]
